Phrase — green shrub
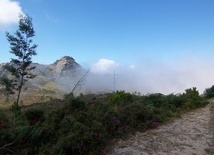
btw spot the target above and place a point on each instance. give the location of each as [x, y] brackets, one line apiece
[121, 98]
[154, 99]
[111, 121]
[79, 137]
[3, 120]
[74, 105]
[135, 116]
[209, 92]
[16, 109]
[4, 131]
[175, 101]
[34, 116]
[192, 99]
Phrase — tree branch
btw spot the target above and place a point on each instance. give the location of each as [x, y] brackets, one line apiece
[79, 82]
[4, 147]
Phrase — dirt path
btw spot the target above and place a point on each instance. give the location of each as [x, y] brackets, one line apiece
[188, 135]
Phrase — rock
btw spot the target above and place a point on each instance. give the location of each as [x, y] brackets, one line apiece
[65, 65]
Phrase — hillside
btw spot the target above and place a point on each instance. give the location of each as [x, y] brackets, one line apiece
[59, 76]
[51, 80]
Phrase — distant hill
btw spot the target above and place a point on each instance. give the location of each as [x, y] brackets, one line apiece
[60, 75]
[59, 78]
[55, 79]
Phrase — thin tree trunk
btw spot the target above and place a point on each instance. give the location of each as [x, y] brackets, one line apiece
[79, 82]
[19, 90]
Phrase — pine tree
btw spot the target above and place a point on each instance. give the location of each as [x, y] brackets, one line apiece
[21, 45]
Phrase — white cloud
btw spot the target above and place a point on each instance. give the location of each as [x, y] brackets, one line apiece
[9, 12]
[104, 66]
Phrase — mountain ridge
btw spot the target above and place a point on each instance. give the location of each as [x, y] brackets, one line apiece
[56, 74]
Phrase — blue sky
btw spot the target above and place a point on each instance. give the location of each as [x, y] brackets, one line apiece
[137, 33]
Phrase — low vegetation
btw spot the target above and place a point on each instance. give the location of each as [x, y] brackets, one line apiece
[86, 124]
[209, 92]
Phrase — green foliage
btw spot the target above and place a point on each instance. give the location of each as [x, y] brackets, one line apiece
[175, 101]
[84, 125]
[192, 99]
[120, 98]
[4, 124]
[209, 92]
[74, 105]
[34, 116]
[8, 87]
[79, 132]
[137, 116]
[16, 109]
[22, 47]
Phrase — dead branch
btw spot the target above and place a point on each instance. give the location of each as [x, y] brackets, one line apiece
[80, 82]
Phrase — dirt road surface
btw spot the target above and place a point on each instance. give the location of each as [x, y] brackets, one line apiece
[189, 135]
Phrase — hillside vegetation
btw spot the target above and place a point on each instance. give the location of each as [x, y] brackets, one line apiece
[87, 124]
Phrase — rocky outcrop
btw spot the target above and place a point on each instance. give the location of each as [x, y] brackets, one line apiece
[65, 66]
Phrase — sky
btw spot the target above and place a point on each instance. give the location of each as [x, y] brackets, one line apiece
[152, 45]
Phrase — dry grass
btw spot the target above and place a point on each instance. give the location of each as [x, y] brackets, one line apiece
[51, 85]
[31, 97]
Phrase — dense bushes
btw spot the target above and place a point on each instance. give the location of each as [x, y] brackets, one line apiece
[34, 116]
[86, 126]
[209, 92]
[4, 127]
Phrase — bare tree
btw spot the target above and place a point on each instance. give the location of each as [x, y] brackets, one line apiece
[80, 82]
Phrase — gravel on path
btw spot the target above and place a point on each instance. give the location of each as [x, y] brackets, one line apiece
[188, 135]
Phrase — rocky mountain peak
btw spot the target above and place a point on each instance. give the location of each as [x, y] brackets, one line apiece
[64, 60]
[65, 64]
